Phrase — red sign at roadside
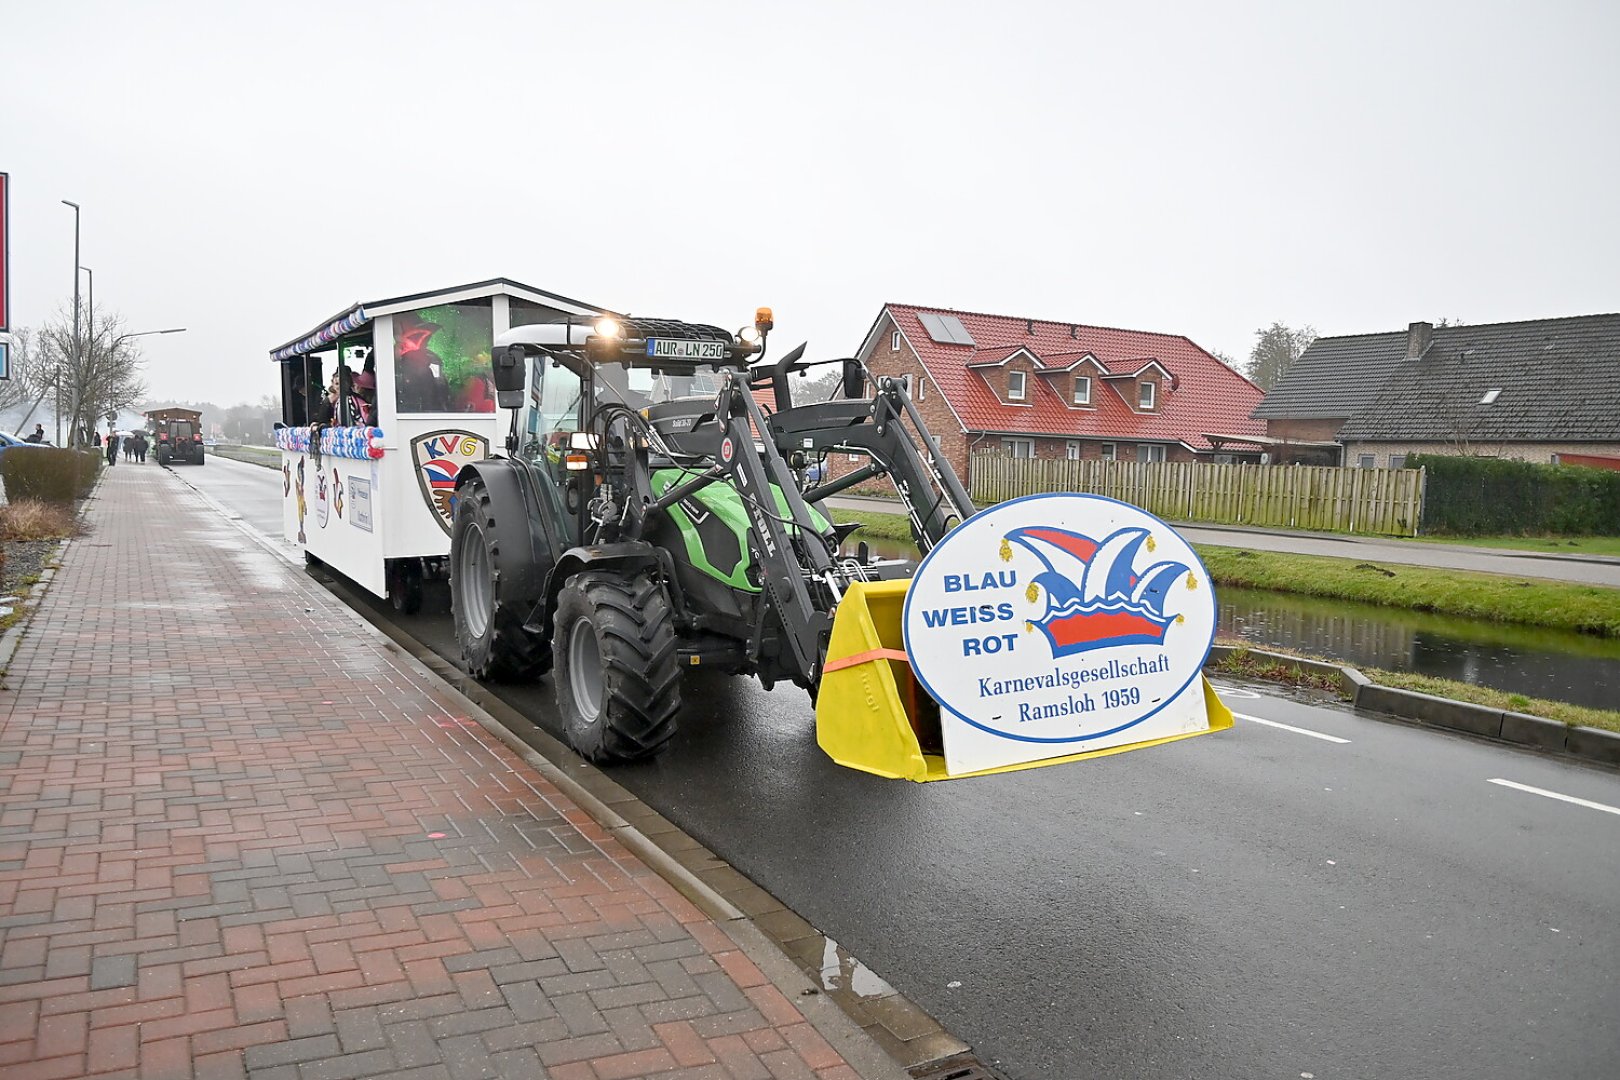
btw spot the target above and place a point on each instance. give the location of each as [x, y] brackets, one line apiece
[5, 252]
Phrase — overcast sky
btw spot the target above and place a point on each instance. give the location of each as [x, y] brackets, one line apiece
[249, 170]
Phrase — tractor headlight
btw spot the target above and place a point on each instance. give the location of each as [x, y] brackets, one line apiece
[608, 328]
[748, 335]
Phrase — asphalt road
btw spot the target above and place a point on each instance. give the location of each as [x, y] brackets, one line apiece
[1338, 897]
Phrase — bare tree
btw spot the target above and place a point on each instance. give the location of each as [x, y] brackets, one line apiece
[97, 379]
[30, 380]
[1275, 350]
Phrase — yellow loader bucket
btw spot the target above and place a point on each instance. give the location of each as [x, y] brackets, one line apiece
[873, 715]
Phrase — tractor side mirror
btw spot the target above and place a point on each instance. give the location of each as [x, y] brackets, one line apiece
[854, 380]
[510, 368]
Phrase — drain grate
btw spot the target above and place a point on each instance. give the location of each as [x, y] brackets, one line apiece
[956, 1067]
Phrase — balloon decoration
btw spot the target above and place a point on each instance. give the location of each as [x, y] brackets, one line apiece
[343, 442]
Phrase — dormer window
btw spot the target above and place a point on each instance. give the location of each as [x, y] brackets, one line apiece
[1015, 386]
[1490, 397]
[1146, 394]
[1082, 390]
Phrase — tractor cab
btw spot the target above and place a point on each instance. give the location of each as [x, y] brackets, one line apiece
[177, 435]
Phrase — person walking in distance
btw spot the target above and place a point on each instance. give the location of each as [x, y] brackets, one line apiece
[111, 443]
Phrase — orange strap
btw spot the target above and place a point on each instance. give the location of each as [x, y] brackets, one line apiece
[861, 658]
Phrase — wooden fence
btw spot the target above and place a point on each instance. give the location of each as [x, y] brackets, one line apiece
[1322, 498]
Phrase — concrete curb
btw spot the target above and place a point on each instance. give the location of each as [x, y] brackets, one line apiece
[13, 635]
[1500, 725]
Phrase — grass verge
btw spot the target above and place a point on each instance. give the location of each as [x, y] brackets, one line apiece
[1587, 609]
[268, 456]
[874, 525]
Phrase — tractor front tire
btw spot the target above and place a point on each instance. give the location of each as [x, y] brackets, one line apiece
[488, 618]
[618, 682]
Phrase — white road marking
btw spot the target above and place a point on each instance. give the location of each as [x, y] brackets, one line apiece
[1290, 727]
[1555, 795]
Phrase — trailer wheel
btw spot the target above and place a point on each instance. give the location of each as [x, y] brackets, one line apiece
[405, 585]
[489, 623]
[618, 683]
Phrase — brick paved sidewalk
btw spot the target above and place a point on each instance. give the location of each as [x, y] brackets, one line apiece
[241, 835]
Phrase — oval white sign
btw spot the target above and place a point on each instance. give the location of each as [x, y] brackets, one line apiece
[1054, 624]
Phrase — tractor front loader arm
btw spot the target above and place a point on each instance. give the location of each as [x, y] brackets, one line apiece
[929, 488]
[789, 548]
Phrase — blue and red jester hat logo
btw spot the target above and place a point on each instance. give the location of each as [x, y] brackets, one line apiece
[1095, 598]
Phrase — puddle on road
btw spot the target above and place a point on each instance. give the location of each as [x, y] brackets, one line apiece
[841, 971]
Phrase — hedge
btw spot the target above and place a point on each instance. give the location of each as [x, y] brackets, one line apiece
[1478, 496]
[48, 473]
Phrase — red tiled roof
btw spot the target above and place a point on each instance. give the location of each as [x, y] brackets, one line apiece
[1208, 395]
[1063, 361]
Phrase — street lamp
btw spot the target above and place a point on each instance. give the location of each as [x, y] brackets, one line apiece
[90, 317]
[77, 359]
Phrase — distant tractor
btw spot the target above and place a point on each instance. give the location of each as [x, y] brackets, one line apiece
[177, 433]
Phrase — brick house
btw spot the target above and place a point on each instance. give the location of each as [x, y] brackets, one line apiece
[1043, 389]
[1542, 390]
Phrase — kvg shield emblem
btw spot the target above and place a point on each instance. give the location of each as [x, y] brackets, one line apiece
[438, 457]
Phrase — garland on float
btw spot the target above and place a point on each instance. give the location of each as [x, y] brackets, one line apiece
[343, 442]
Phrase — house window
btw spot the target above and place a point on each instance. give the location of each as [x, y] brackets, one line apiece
[1082, 390]
[894, 341]
[1366, 461]
[922, 386]
[1149, 451]
[1109, 452]
[1072, 451]
[1015, 386]
[1397, 461]
[1145, 394]
[1019, 448]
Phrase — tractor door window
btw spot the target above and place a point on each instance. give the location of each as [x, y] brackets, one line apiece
[553, 412]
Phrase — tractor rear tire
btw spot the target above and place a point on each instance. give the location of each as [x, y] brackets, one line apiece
[163, 457]
[488, 620]
[618, 681]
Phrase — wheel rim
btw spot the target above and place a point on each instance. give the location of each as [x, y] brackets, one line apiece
[585, 671]
[477, 590]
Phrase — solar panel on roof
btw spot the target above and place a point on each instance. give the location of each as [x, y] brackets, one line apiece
[958, 332]
[945, 329]
[935, 327]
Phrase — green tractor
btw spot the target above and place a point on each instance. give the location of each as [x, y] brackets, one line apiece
[649, 516]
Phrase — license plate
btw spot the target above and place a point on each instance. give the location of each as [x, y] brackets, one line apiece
[666, 349]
